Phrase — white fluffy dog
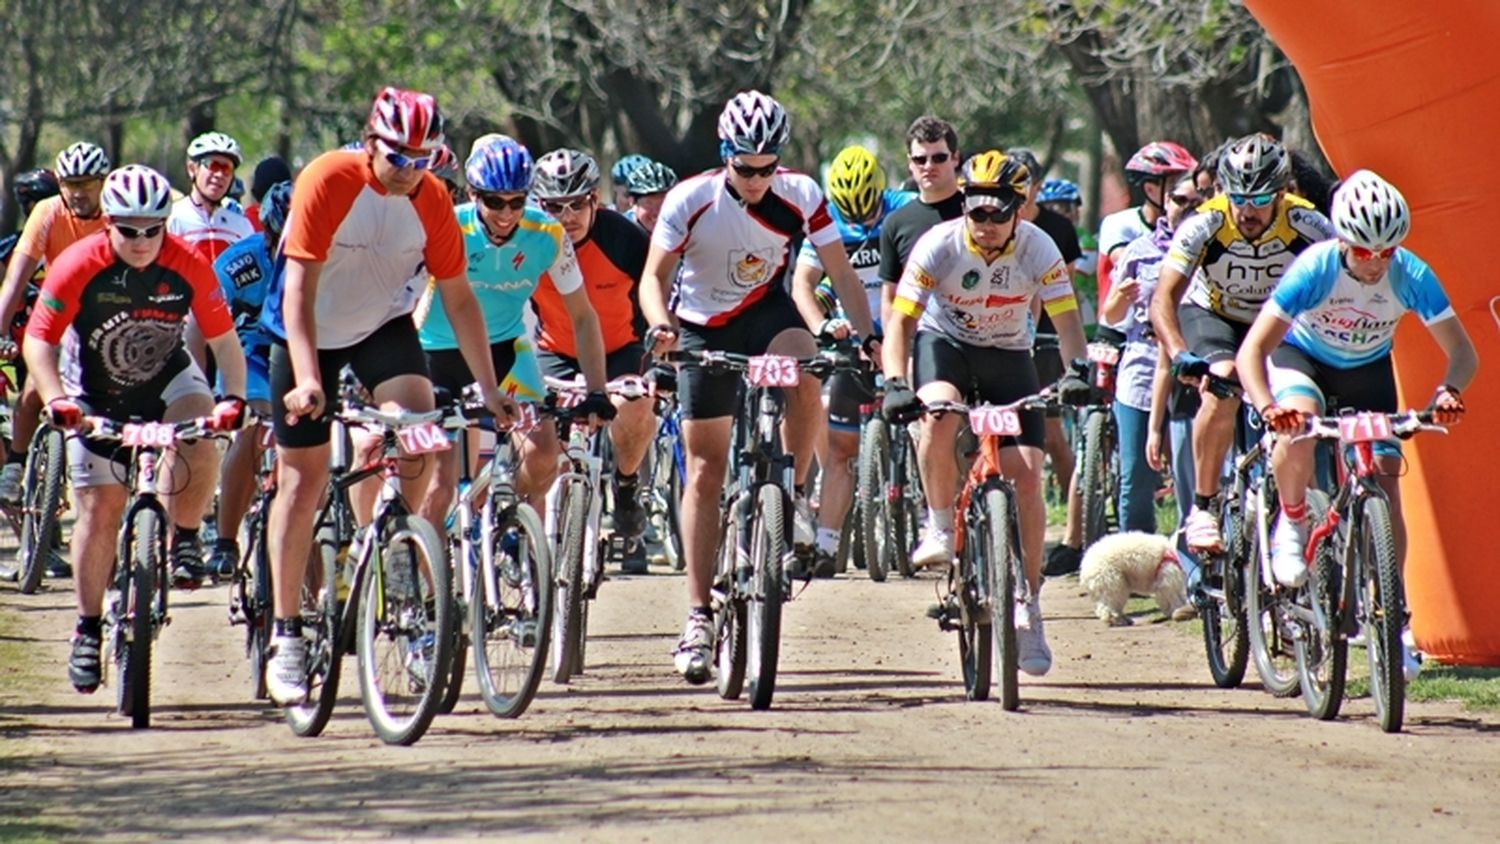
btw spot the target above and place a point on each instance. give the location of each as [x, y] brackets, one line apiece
[1123, 564]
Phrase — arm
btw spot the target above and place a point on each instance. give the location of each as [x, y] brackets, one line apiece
[897, 347]
[231, 360]
[1070, 338]
[804, 280]
[1463, 360]
[19, 271]
[656, 281]
[307, 396]
[1122, 292]
[847, 286]
[587, 337]
[1250, 364]
[1161, 390]
[197, 347]
[42, 361]
[1169, 289]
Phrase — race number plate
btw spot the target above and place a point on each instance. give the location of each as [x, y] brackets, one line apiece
[773, 371]
[1104, 353]
[1365, 428]
[423, 439]
[148, 434]
[991, 421]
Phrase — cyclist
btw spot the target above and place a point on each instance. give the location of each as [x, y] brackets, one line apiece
[1226, 259]
[511, 249]
[647, 187]
[205, 217]
[932, 158]
[1327, 331]
[445, 166]
[123, 295]
[859, 203]
[619, 177]
[270, 171]
[32, 187]
[244, 271]
[611, 255]
[967, 294]
[54, 224]
[1148, 170]
[723, 245]
[363, 223]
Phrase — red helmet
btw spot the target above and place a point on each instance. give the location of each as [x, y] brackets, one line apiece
[1160, 158]
[407, 119]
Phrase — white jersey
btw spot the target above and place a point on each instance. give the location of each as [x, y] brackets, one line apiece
[734, 254]
[952, 290]
[1120, 228]
[209, 232]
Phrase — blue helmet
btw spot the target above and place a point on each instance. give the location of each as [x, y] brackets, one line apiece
[621, 171]
[274, 207]
[1059, 190]
[499, 164]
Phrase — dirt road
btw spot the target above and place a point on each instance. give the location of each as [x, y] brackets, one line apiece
[870, 739]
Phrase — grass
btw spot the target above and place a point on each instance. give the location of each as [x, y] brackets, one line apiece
[1477, 689]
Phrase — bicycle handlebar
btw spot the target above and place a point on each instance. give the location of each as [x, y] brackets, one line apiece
[821, 365]
[1404, 425]
[104, 429]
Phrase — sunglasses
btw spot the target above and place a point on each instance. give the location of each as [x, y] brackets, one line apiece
[1182, 199]
[748, 172]
[215, 165]
[999, 215]
[83, 184]
[572, 206]
[1359, 253]
[400, 160]
[935, 158]
[133, 233]
[1258, 200]
[496, 202]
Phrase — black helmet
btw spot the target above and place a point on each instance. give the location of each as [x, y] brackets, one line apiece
[34, 186]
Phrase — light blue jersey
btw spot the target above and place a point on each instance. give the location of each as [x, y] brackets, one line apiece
[1342, 322]
[862, 243]
[244, 271]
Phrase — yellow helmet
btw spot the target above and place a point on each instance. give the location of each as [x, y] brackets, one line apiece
[856, 183]
[992, 173]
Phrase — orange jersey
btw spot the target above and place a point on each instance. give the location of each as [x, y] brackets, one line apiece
[612, 258]
[51, 228]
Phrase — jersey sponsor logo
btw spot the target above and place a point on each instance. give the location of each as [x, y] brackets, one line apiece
[971, 278]
[750, 268]
[921, 277]
[114, 299]
[134, 346]
[862, 259]
[993, 301]
[1000, 277]
[51, 303]
[1058, 273]
[507, 286]
[518, 260]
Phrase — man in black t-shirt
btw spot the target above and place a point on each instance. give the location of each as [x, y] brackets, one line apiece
[932, 156]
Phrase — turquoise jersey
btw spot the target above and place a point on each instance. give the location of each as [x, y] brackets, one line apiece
[504, 276]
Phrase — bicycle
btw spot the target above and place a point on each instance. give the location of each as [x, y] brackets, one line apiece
[250, 591]
[989, 582]
[1355, 583]
[41, 506]
[755, 541]
[664, 495]
[888, 493]
[398, 607]
[136, 607]
[1099, 447]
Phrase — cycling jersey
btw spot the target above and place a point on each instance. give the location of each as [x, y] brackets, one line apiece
[612, 258]
[1343, 322]
[1115, 231]
[377, 249]
[862, 243]
[53, 227]
[735, 254]
[244, 272]
[505, 276]
[980, 302]
[1234, 277]
[128, 323]
[1142, 261]
[900, 231]
[210, 231]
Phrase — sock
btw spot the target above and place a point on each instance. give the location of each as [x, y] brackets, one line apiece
[90, 625]
[828, 540]
[626, 481]
[182, 535]
[16, 456]
[289, 627]
[801, 490]
[1296, 512]
[703, 612]
[941, 519]
[224, 543]
[1203, 502]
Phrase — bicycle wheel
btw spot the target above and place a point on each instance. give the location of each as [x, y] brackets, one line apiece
[872, 480]
[999, 539]
[1266, 609]
[768, 545]
[567, 612]
[908, 501]
[975, 633]
[729, 619]
[323, 628]
[1093, 485]
[510, 614]
[405, 632]
[257, 602]
[133, 656]
[42, 495]
[1383, 606]
[666, 499]
[453, 684]
[1322, 651]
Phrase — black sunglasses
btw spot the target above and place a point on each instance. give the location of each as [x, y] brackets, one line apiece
[935, 158]
[1002, 215]
[133, 233]
[496, 202]
[748, 172]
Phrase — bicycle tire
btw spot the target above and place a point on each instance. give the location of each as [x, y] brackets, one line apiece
[259, 615]
[1094, 485]
[729, 620]
[1275, 658]
[1384, 605]
[910, 502]
[666, 499]
[134, 660]
[42, 495]
[1323, 652]
[322, 625]
[399, 702]
[1000, 540]
[524, 605]
[975, 640]
[875, 528]
[763, 609]
[453, 684]
[567, 614]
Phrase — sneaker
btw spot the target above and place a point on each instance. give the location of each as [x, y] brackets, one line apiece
[1202, 531]
[629, 515]
[1288, 539]
[398, 571]
[1411, 658]
[286, 675]
[634, 561]
[188, 571]
[804, 528]
[83, 664]
[825, 564]
[58, 568]
[935, 550]
[10, 482]
[419, 662]
[695, 649]
[225, 557]
[1063, 559]
[1031, 639]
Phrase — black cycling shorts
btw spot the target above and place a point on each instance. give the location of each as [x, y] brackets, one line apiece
[623, 361]
[848, 392]
[1371, 387]
[992, 376]
[393, 350]
[710, 396]
[1208, 335]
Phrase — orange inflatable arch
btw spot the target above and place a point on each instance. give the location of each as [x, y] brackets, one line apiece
[1412, 91]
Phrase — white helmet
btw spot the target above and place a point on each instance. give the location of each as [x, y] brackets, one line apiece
[753, 123]
[215, 143]
[1254, 164]
[1368, 211]
[136, 191]
[82, 160]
